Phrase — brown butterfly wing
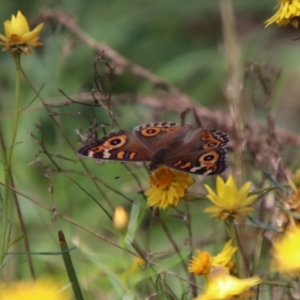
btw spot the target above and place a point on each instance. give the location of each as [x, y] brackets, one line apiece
[201, 162]
[157, 136]
[117, 146]
[202, 153]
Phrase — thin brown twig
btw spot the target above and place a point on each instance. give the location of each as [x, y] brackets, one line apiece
[67, 139]
[19, 214]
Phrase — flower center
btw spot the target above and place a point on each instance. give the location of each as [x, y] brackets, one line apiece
[161, 177]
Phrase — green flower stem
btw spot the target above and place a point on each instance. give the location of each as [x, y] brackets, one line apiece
[16, 110]
[276, 283]
[4, 241]
[232, 233]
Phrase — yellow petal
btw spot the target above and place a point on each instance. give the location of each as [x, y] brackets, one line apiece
[244, 191]
[32, 35]
[292, 9]
[222, 285]
[230, 182]
[19, 24]
[220, 185]
[211, 193]
[284, 10]
[296, 4]
[229, 198]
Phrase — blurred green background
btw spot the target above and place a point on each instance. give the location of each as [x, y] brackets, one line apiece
[179, 41]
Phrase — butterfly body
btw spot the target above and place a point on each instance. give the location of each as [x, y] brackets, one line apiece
[179, 147]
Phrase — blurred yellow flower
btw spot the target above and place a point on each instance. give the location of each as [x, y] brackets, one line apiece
[203, 262]
[288, 12]
[222, 285]
[45, 289]
[120, 218]
[286, 252]
[167, 187]
[200, 264]
[230, 202]
[18, 37]
[224, 257]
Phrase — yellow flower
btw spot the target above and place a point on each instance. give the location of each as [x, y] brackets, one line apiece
[224, 257]
[288, 12]
[167, 186]
[203, 262]
[222, 285]
[18, 37]
[286, 252]
[120, 218]
[200, 264]
[45, 289]
[230, 202]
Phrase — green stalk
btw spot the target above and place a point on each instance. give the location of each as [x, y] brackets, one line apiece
[69, 266]
[16, 110]
[232, 233]
[4, 241]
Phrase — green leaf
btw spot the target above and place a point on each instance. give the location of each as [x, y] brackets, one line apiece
[32, 100]
[276, 183]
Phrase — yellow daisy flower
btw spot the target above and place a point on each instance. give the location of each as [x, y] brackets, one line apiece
[200, 264]
[167, 187]
[288, 12]
[18, 37]
[45, 289]
[230, 202]
[286, 252]
[222, 285]
[203, 262]
[224, 257]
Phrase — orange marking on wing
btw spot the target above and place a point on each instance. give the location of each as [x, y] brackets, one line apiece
[214, 155]
[170, 129]
[205, 135]
[177, 163]
[217, 143]
[147, 131]
[119, 139]
[211, 166]
[132, 155]
[186, 165]
[120, 154]
[97, 149]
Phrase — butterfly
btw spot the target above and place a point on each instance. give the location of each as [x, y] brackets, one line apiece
[180, 147]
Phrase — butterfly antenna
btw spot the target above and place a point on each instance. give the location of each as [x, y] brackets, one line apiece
[196, 117]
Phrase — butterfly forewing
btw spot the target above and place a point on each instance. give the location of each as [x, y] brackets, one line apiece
[156, 136]
[117, 146]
